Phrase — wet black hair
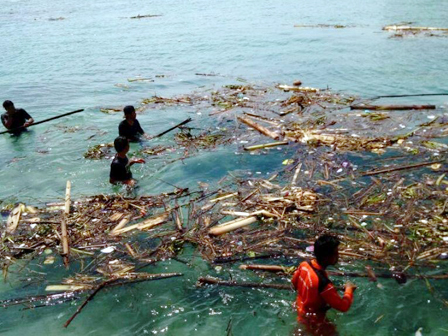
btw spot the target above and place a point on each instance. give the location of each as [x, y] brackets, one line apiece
[7, 103]
[128, 109]
[325, 246]
[120, 143]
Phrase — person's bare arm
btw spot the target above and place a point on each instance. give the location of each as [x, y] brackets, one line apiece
[28, 122]
[7, 121]
[133, 161]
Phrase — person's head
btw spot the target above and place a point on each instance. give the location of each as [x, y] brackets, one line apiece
[121, 145]
[129, 112]
[326, 250]
[9, 106]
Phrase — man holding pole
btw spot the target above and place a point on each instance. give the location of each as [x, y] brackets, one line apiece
[315, 292]
[15, 119]
[130, 127]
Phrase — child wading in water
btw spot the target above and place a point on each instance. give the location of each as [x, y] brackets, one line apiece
[130, 127]
[120, 169]
[316, 293]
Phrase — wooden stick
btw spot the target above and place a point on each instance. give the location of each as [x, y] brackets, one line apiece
[214, 281]
[90, 297]
[296, 174]
[388, 170]
[392, 107]
[232, 225]
[174, 127]
[270, 268]
[178, 221]
[272, 144]
[145, 225]
[65, 247]
[259, 128]
[42, 121]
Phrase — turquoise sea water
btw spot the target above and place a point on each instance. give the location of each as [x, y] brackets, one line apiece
[50, 66]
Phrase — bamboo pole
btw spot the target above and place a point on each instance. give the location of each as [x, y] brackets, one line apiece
[145, 225]
[272, 144]
[296, 174]
[259, 128]
[174, 127]
[65, 247]
[67, 197]
[120, 225]
[232, 225]
[388, 170]
[392, 107]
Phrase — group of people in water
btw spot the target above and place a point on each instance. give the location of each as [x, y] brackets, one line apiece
[316, 294]
[16, 120]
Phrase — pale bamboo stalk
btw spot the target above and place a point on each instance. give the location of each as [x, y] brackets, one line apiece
[259, 128]
[223, 197]
[145, 225]
[120, 225]
[178, 221]
[296, 174]
[68, 190]
[232, 225]
[130, 250]
[235, 213]
[272, 144]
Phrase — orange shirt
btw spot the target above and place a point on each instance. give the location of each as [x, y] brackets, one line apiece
[316, 293]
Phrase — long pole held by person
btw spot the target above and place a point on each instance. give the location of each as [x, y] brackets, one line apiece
[41, 122]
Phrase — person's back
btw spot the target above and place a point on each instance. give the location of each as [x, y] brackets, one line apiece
[315, 292]
[120, 168]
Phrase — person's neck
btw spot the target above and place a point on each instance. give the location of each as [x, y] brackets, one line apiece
[322, 264]
[121, 155]
[130, 121]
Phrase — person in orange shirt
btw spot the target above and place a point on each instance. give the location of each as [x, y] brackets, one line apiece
[315, 292]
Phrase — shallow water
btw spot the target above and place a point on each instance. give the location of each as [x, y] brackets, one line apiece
[55, 66]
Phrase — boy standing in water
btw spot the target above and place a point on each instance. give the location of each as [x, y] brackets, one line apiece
[15, 118]
[120, 169]
[315, 292]
[130, 127]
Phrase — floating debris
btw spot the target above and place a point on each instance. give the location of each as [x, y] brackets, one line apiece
[144, 16]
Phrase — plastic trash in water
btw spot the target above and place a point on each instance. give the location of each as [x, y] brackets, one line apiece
[309, 248]
[109, 249]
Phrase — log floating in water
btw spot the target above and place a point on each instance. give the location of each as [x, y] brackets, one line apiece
[392, 107]
[263, 130]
